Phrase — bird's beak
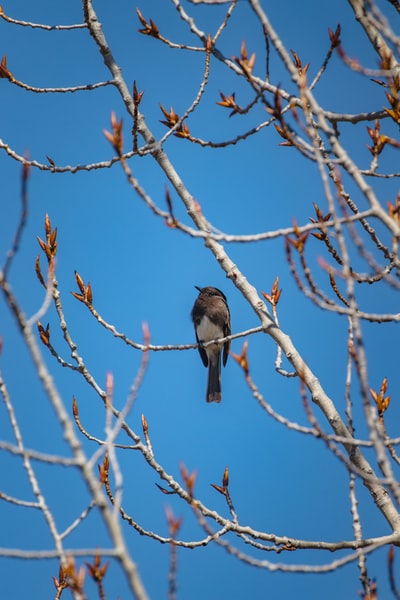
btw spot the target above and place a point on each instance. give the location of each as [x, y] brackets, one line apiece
[198, 288]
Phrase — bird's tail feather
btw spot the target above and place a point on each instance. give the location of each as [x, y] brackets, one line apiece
[214, 380]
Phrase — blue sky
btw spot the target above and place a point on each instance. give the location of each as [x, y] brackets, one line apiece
[140, 270]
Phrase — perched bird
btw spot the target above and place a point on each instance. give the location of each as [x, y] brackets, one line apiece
[211, 319]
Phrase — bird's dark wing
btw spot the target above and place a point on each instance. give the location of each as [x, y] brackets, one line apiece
[202, 353]
[227, 331]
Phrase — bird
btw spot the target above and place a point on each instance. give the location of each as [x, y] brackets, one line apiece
[211, 319]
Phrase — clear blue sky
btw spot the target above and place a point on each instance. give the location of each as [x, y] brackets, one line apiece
[141, 270]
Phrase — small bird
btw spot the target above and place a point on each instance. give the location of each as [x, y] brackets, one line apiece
[212, 320]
